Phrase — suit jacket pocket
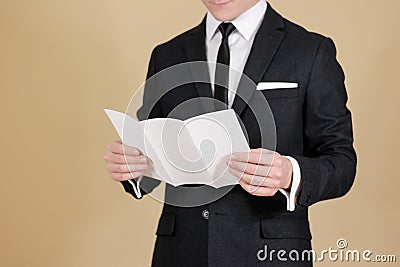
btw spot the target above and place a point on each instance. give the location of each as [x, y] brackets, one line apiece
[166, 225]
[281, 93]
[285, 227]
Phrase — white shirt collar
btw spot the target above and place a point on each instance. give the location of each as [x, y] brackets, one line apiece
[246, 24]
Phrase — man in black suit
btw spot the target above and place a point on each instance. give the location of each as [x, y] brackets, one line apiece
[268, 211]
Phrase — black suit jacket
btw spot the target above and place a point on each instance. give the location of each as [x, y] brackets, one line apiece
[313, 125]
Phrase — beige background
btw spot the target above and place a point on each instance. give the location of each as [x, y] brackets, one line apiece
[62, 62]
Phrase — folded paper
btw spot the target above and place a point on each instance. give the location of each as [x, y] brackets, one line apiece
[193, 151]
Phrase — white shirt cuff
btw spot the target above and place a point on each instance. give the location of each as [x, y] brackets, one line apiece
[136, 187]
[296, 178]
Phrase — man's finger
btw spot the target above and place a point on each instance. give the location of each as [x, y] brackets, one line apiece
[247, 178]
[120, 159]
[118, 148]
[257, 190]
[254, 157]
[250, 168]
[126, 168]
[255, 180]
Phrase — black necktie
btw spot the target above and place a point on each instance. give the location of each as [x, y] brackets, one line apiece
[222, 73]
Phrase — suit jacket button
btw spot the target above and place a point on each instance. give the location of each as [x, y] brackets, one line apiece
[205, 214]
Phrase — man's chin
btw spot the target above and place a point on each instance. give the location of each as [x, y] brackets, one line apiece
[224, 15]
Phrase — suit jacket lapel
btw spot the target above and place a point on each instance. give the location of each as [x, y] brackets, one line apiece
[265, 46]
[195, 48]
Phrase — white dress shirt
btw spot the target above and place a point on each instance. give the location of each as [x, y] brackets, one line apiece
[240, 42]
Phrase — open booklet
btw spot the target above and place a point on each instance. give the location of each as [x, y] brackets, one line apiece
[193, 151]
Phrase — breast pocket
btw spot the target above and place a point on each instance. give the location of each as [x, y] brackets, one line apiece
[281, 93]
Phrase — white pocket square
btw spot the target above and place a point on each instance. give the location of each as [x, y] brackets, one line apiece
[275, 85]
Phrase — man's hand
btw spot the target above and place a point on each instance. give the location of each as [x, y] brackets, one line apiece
[125, 162]
[261, 172]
